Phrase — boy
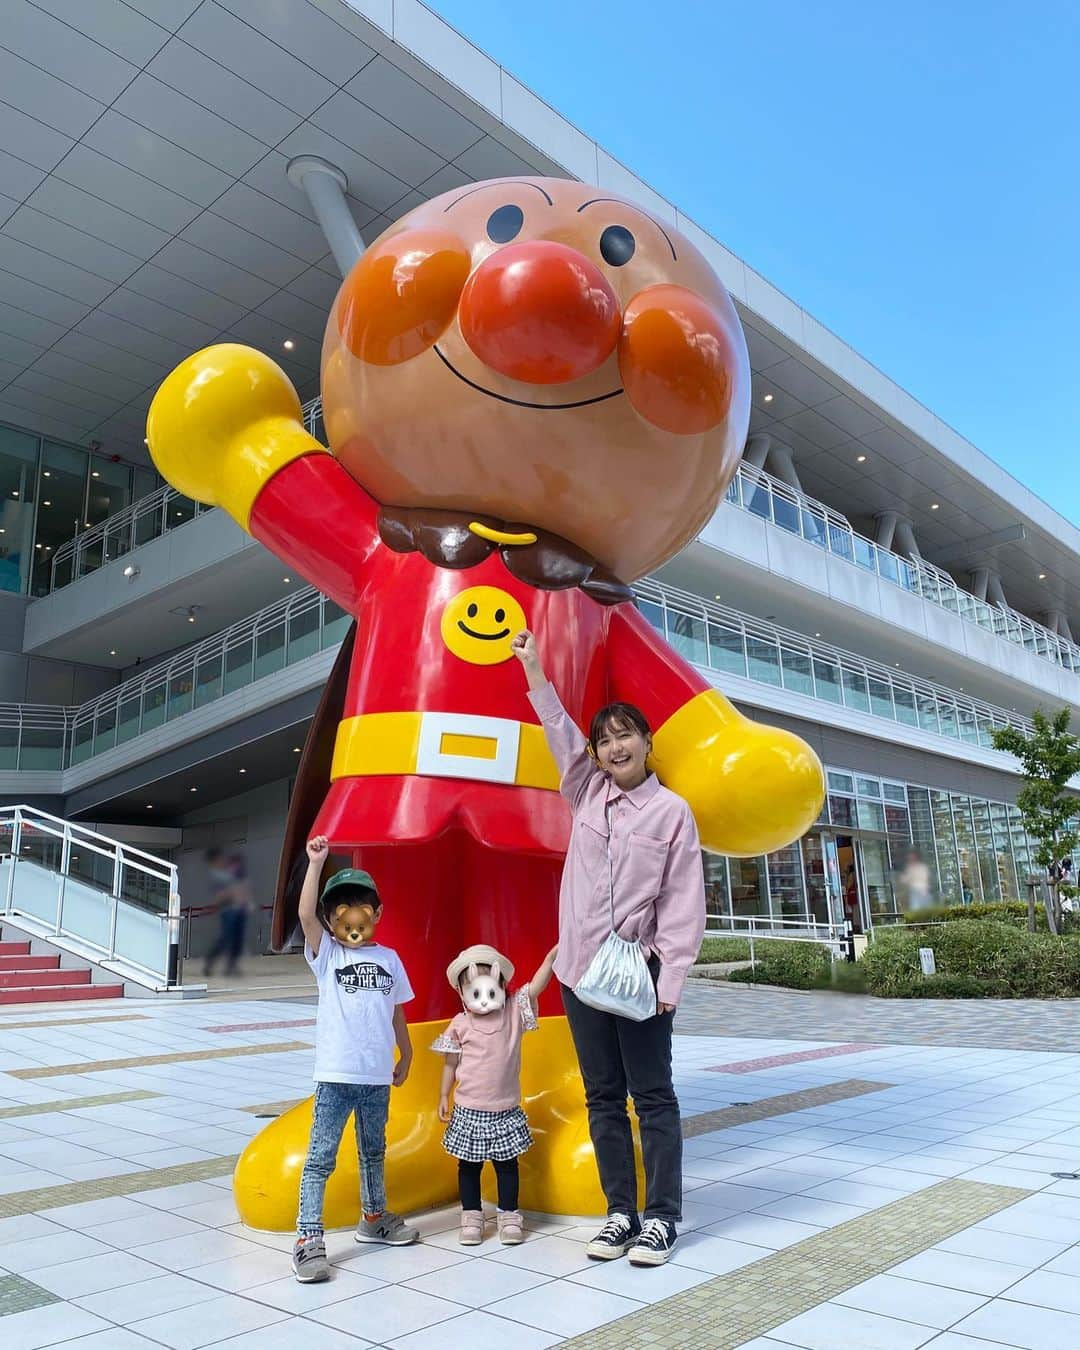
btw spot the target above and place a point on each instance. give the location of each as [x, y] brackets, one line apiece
[362, 986]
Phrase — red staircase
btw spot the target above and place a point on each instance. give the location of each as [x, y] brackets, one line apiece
[39, 979]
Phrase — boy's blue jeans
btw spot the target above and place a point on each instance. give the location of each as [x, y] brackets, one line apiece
[334, 1103]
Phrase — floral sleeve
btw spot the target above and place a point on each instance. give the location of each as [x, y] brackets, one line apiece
[448, 1042]
[525, 1009]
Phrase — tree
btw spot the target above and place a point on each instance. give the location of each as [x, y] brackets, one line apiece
[1050, 757]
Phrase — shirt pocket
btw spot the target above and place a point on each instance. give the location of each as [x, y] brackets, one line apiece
[640, 881]
[590, 845]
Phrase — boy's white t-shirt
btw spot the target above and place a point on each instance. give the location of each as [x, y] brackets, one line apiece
[359, 988]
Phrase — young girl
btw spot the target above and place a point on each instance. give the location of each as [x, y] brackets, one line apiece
[633, 844]
[482, 1049]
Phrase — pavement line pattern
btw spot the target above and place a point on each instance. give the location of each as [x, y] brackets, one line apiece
[69, 1022]
[73, 1104]
[732, 1309]
[18, 1295]
[130, 1183]
[264, 1026]
[796, 1057]
[778, 1106]
[144, 1061]
[274, 1108]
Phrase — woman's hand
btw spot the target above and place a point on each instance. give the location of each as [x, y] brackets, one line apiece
[524, 648]
[662, 1008]
[444, 1109]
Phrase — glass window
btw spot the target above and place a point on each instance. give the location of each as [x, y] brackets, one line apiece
[970, 886]
[726, 649]
[335, 623]
[840, 782]
[969, 729]
[109, 490]
[303, 632]
[42, 748]
[840, 542]
[881, 703]
[870, 815]
[842, 810]
[764, 660]
[18, 481]
[796, 669]
[855, 695]
[748, 890]
[208, 678]
[9, 745]
[153, 705]
[270, 649]
[786, 883]
[686, 634]
[717, 894]
[1003, 853]
[904, 701]
[61, 506]
[877, 876]
[1021, 848]
[984, 851]
[894, 792]
[922, 834]
[817, 883]
[785, 513]
[865, 554]
[945, 834]
[653, 612]
[896, 819]
[888, 566]
[867, 787]
[928, 715]
[238, 658]
[827, 680]
[947, 714]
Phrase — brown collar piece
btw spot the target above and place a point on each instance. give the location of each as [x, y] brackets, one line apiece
[550, 564]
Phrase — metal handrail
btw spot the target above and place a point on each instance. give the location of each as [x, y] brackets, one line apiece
[138, 523]
[761, 494]
[119, 871]
[299, 625]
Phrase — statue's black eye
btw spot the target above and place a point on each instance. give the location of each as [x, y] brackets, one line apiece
[505, 224]
[617, 245]
[500, 614]
[473, 611]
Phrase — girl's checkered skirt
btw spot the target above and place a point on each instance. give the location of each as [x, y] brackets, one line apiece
[479, 1136]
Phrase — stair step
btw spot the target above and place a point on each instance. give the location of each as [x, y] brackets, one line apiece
[40, 979]
[61, 994]
[14, 949]
[29, 962]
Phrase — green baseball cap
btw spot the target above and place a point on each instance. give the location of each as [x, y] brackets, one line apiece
[353, 877]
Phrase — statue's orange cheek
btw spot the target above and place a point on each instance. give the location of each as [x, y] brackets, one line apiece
[402, 295]
[676, 360]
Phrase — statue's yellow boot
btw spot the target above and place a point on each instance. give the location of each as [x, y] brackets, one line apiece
[558, 1174]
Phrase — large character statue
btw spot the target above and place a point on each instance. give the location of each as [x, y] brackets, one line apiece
[534, 393]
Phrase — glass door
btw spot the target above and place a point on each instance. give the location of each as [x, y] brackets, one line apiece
[824, 889]
[876, 878]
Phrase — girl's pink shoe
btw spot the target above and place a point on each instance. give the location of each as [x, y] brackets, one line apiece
[511, 1228]
[472, 1228]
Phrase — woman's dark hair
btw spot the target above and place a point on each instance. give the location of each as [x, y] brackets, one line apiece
[617, 717]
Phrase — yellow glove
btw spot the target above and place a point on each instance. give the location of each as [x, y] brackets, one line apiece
[751, 788]
[223, 423]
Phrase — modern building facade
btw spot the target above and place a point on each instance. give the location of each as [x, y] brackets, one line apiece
[871, 581]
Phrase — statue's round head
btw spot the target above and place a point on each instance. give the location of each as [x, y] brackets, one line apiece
[547, 354]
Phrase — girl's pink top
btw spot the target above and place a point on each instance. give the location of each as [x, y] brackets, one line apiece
[659, 881]
[489, 1073]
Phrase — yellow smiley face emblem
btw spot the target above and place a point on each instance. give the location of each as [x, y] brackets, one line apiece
[479, 624]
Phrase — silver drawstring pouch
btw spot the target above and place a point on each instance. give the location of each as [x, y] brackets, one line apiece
[618, 979]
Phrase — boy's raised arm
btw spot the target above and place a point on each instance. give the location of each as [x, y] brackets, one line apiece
[318, 849]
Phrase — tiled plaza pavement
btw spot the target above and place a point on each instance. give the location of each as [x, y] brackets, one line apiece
[852, 1187]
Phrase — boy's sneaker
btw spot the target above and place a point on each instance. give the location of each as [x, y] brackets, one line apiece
[389, 1228]
[309, 1262]
[654, 1244]
[614, 1238]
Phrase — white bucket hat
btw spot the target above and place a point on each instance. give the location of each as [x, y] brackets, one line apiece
[479, 955]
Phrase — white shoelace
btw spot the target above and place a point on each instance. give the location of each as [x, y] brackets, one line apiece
[617, 1226]
[654, 1233]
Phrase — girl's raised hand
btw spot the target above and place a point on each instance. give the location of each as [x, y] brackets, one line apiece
[524, 647]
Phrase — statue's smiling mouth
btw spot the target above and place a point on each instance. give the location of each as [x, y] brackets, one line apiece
[520, 402]
[482, 637]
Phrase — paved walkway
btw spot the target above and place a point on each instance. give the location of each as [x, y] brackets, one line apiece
[846, 1184]
[716, 1008]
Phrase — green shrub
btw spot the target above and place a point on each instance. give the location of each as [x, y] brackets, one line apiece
[794, 965]
[848, 977]
[1006, 911]
[718, 949]
[950, 986]
[890, 964]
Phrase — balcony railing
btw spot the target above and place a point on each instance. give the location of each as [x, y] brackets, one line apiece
[148, 518]
[762, 495]
[305, 623]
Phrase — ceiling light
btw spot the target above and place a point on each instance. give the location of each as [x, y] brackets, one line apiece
[817, 634]
[193, 789]
[860, 459]
[2, 530]
[1042, 576]
[296, 749]
[15, 492]
[288, 344]
[149, 806]
[935, 506]
[243, 770]
[47, 473]
[131, 571]
[94, 473]
[37, 545]
[287, 580]
[768, 398]
[46, 503]
[112, 651]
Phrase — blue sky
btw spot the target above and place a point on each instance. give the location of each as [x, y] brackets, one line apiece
[907, 173]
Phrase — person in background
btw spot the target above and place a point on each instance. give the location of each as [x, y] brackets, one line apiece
[916, 880]
[230, 894]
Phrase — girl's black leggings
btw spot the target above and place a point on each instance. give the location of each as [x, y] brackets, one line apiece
[506, 1179]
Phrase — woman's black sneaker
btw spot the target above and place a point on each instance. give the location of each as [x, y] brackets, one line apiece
[616, 1236]
[654, 1244]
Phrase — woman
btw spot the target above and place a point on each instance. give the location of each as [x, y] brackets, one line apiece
[633, 835]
